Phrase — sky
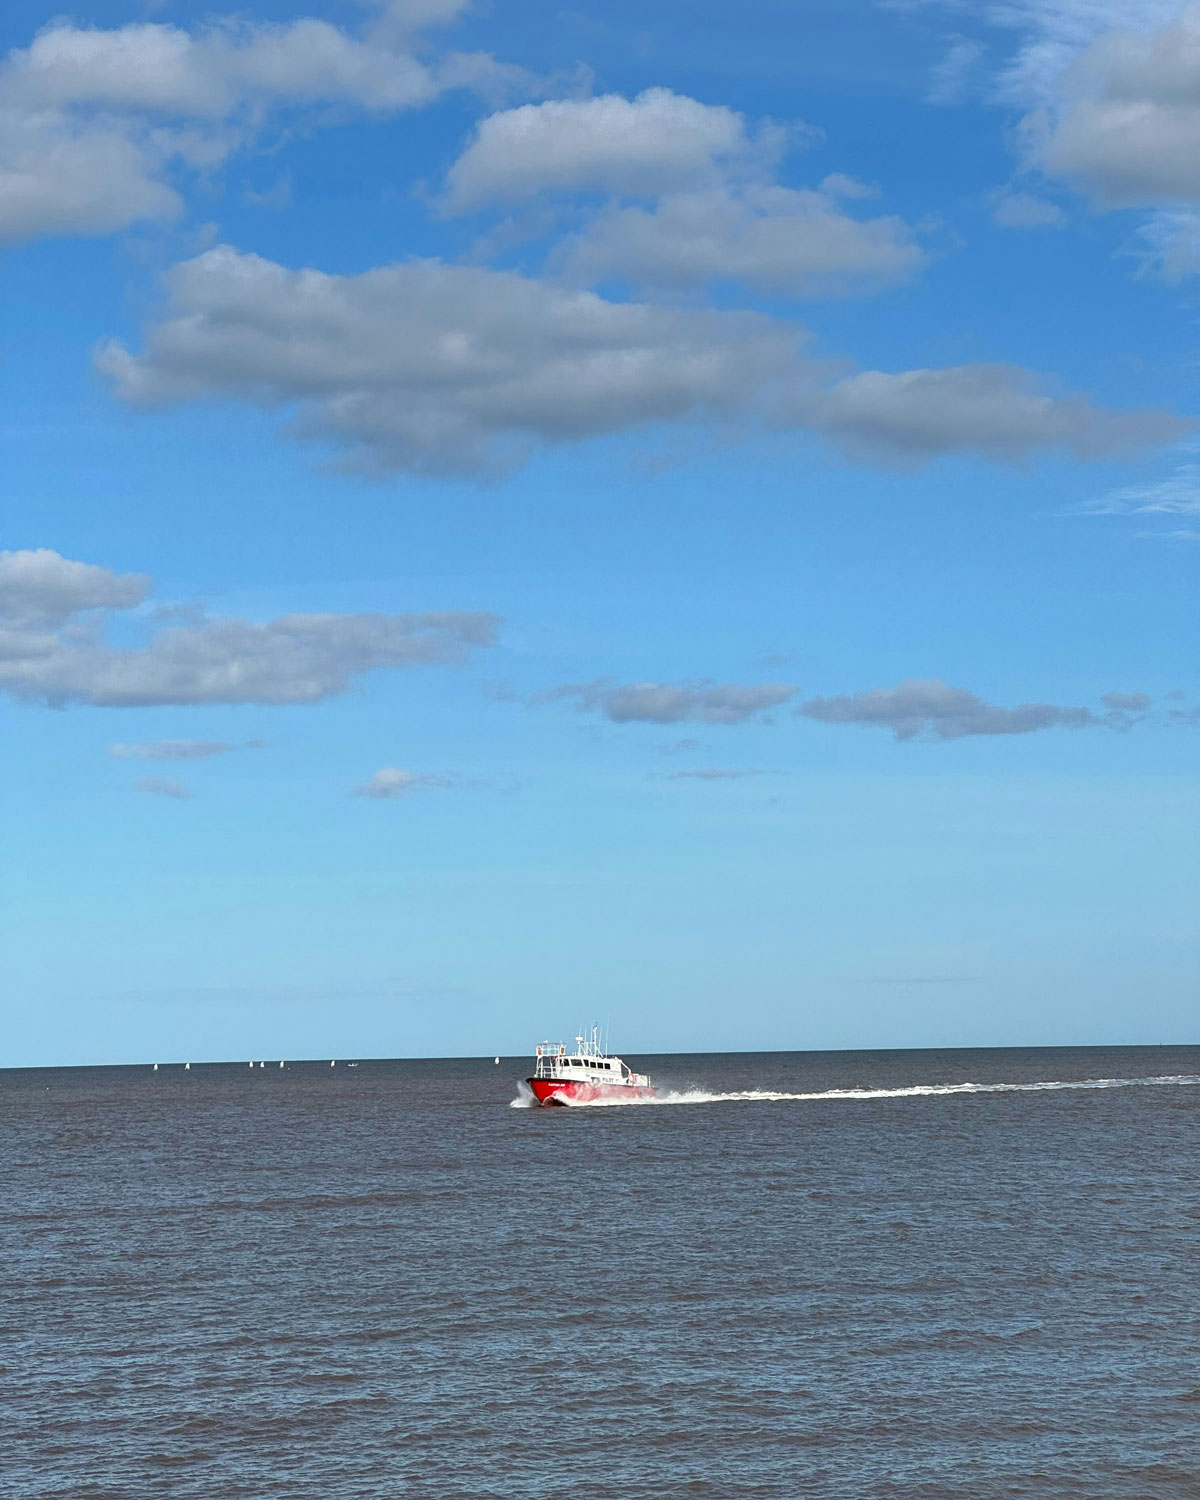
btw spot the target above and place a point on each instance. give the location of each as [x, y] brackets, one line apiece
[683, 517]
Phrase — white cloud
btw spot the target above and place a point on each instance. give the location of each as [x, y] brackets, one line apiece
[56, 179]
[1127, 125]
[674, 703]
[771, 238]
[1176, 495]
[163, 786]
[38, 586]
[1052, 34]
[456, 369]
[717, 216]
[442, 369]
[162, 70]
[95, 123]
[927, 708]
[172, 750]
[1111, 94]
[390, 782]
[999, 410]
[59, 656]
[648, 145]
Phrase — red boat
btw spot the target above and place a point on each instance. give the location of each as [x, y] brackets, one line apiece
[586, 1076]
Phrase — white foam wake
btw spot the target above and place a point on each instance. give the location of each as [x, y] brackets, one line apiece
[525, 1099]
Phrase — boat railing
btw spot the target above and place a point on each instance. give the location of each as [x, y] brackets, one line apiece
[549, 1057]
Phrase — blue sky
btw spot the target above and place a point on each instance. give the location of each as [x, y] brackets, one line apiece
[682, 518]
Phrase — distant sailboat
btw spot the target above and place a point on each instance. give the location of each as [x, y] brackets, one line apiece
[497, 1062]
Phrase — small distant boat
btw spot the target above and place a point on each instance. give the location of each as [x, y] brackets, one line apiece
[589, 1075]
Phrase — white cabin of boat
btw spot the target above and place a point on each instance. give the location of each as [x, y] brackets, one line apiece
[587, 1064]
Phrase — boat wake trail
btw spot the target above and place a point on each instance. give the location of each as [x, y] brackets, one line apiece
[641, 1100]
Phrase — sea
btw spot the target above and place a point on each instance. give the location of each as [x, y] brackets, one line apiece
[952, 1275]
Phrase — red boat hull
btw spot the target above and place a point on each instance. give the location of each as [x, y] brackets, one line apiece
[568, 1091]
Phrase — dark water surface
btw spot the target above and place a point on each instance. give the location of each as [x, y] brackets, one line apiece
[383, 1281]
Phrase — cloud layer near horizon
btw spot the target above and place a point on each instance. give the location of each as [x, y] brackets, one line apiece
[673, 703]
[927, 708]
[918, 708]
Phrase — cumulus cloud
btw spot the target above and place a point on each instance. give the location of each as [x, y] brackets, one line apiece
[648, 145]
[442, 369]
[60, 658]
[1111, 97]
[999, 410]
[929, 709]
[94, 123]
[771, 238]
[163, 786]
[674, 703]
[716, 215]
[389, 782]
[445, 369]
[39, 586]
[1128, 127]
[172, 750]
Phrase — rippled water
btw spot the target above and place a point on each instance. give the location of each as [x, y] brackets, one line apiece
[920, 1274]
